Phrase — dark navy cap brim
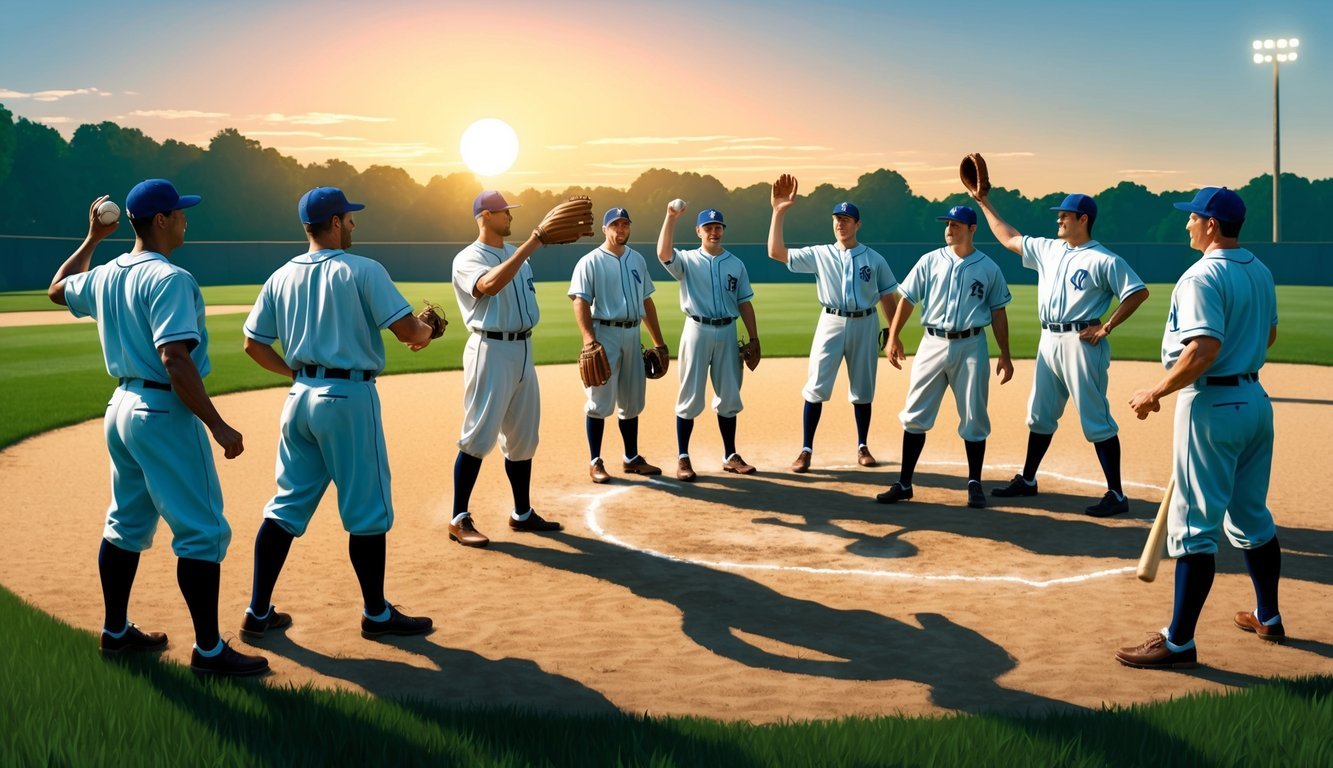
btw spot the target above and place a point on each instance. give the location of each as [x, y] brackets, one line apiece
[188, 201]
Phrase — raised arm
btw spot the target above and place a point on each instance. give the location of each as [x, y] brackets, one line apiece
[503, 274]
[78, 262]
[784, 196]
[664, 250]
[1008, 236]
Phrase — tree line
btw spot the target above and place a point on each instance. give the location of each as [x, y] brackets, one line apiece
[251, 192]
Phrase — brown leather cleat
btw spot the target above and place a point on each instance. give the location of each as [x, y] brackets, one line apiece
[802, 463]
[685, 470]
[638, 466]
[466, 533]
[864, 457]
[737, 464]
[1154, 654]
[1273, 633]
[533, 523]
[597, 471]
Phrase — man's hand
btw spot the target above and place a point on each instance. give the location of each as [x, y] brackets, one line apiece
[1004, 368]
[1145, 402]
[896, 353]
[229, 439]
[1094, 333]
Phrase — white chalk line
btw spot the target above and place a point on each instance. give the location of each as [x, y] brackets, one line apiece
[594, 524]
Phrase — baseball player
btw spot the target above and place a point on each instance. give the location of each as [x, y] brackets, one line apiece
[327, 308]
[714, 291]
[1076, 279]
[612, 293]
[960, 291]
[497, 298]
[1223, 319]
[150, 318]
[850, 280]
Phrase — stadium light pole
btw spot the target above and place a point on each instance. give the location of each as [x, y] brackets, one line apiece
[1279, 51]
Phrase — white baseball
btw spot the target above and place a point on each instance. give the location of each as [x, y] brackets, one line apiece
[108, 212]
[677, 205]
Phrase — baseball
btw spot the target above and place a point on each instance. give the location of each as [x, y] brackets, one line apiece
[108, 212]
[676, 205]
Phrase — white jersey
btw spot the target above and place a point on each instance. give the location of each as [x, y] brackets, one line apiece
[1076, 284]
[327, 308]
[513, 309]
[848, 280]
[710, 286]
[615, 286]
[955, 294]
[1227, 295]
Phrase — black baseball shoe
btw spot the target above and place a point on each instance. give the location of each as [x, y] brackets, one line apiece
[398, 623]
[253, 627]
[976, 497]
[229, 662]
[133, 640]
[1016, 487]
[1109, 505]
[896, 493]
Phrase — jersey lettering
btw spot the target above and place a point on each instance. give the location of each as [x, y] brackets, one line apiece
[637, 279]
[731, 283]
[865, 274]
[978, 290]
[1079, 280]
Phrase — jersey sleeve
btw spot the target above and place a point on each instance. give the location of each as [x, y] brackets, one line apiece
[1198, 310]
[78, 295]
[675, 267]
[997, 294]
[580, 281]
[913, 286]
[884, 277]
[1034, 248]
[468, 269]
[262, 323]
[802, 260]
[743, 290]
[648, 286]
[1120, 278]
[173, 314]
[386, 303]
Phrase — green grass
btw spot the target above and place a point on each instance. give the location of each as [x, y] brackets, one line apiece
[63, 704]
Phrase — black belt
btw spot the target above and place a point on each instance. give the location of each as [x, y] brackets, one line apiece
[713, 320]
[147, 384]
[1065, 327]
[320, 372]
[1230, 381]
[619, 323]
[505, 335]
[844, 313]
[953, 334]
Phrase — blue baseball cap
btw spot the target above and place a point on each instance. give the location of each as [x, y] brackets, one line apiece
[615, 214]
[847, 209]
[961, 214]
[710, 216]
[323, 203]
[1216, 203]
[1080, 204]
[154, 196]
[489, 200]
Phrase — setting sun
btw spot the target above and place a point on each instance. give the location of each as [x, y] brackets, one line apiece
[489, 147]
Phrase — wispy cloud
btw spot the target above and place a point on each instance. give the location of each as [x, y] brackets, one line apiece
[51, 95]
[755, 139]
[321, 118]
[176, 114]
[769, 148]
[647, 140]
[313, 134]
[54, 120]
[644, 161]
[1147, 172]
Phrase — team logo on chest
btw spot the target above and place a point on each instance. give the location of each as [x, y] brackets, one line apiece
[1079, 280]
[531, 287]
[731, 283]
[977, 291]
[637, 279]
[864, 273]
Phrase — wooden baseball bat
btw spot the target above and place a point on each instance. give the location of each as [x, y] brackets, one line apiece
[1155, 548]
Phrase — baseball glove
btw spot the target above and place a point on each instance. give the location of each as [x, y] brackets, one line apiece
[750, 353]
[594, 368]
[974, 175]
[433, 315]
[566, 222]
[883, 338]
[655, 362]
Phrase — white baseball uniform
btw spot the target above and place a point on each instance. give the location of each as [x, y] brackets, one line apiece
[615, 287]
[849, 284]
[955, 298]
[1224, 421]
[712, 288]
[500, 393]
[1074, 289]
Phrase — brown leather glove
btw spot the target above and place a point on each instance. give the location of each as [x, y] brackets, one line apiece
[750, 354]
[974, 175]
[594, 368]
[655, 362]
[566, 222]
[433, 315]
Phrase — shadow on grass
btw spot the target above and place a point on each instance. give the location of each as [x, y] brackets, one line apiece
[960, 665]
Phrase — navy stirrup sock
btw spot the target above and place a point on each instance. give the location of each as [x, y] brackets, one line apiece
[272, 544]
[809, 423]
[913, 443]
[1194, 579]
[520, 483]
[1037, 445]
[367, 554]
[595, 427]
[466, 469]
[117, 568]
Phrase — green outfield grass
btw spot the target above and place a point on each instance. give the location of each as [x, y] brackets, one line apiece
[65, 705]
